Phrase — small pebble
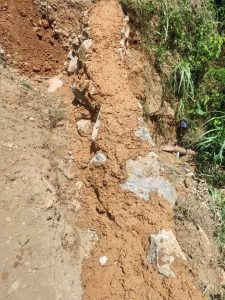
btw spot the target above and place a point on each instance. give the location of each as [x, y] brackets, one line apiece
[103, 260]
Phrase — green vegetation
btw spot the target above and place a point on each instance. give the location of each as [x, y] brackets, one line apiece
[219, 206]
[188, 42]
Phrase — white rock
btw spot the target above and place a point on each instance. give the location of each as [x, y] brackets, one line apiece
[126, 19]
[87, 44]
[82, 51]
[83, 126]
[73, 65]
[96, 128]
[71, 54]
[125, 31]
[164, 250]
[54, 84]
[190, 174]
[103, 260]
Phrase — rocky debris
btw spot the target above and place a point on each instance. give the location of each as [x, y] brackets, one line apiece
[54, 84]
[66, 171]
[2, 57]
[144, 178]
[83, 126]
[77, 55]
[163, 251]
[188, 182]
[103, 260]
[124, 42]
[73, 66]
[80, 90]
[71, 54]
[96, 127]
[144, 134]
[99, 157]
[83, 49]
[79, 94]
[75, 43]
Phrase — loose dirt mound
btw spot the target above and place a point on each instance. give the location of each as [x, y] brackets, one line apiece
[28, 39]
[123, 222]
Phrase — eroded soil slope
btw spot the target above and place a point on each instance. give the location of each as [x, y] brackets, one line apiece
[122, 221]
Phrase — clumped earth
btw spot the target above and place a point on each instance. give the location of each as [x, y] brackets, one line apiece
[71, 227]
[28, 39]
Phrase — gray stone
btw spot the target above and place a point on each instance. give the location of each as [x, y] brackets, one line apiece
[76, 43]
[54, 84]
[144, 134]
[125, 31]
[82, 51]
[144, 178]
[163, 251]
[73, 65]
[71, 54]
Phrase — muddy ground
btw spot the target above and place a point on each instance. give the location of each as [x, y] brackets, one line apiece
[61, 211]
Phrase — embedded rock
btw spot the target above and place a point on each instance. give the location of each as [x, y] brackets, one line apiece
[163, 251]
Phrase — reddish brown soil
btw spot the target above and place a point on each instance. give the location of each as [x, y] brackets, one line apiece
[28, 38]
[122, 221]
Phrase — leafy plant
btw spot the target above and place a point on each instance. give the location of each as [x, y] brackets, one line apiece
[181, 80]
[219, 204]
